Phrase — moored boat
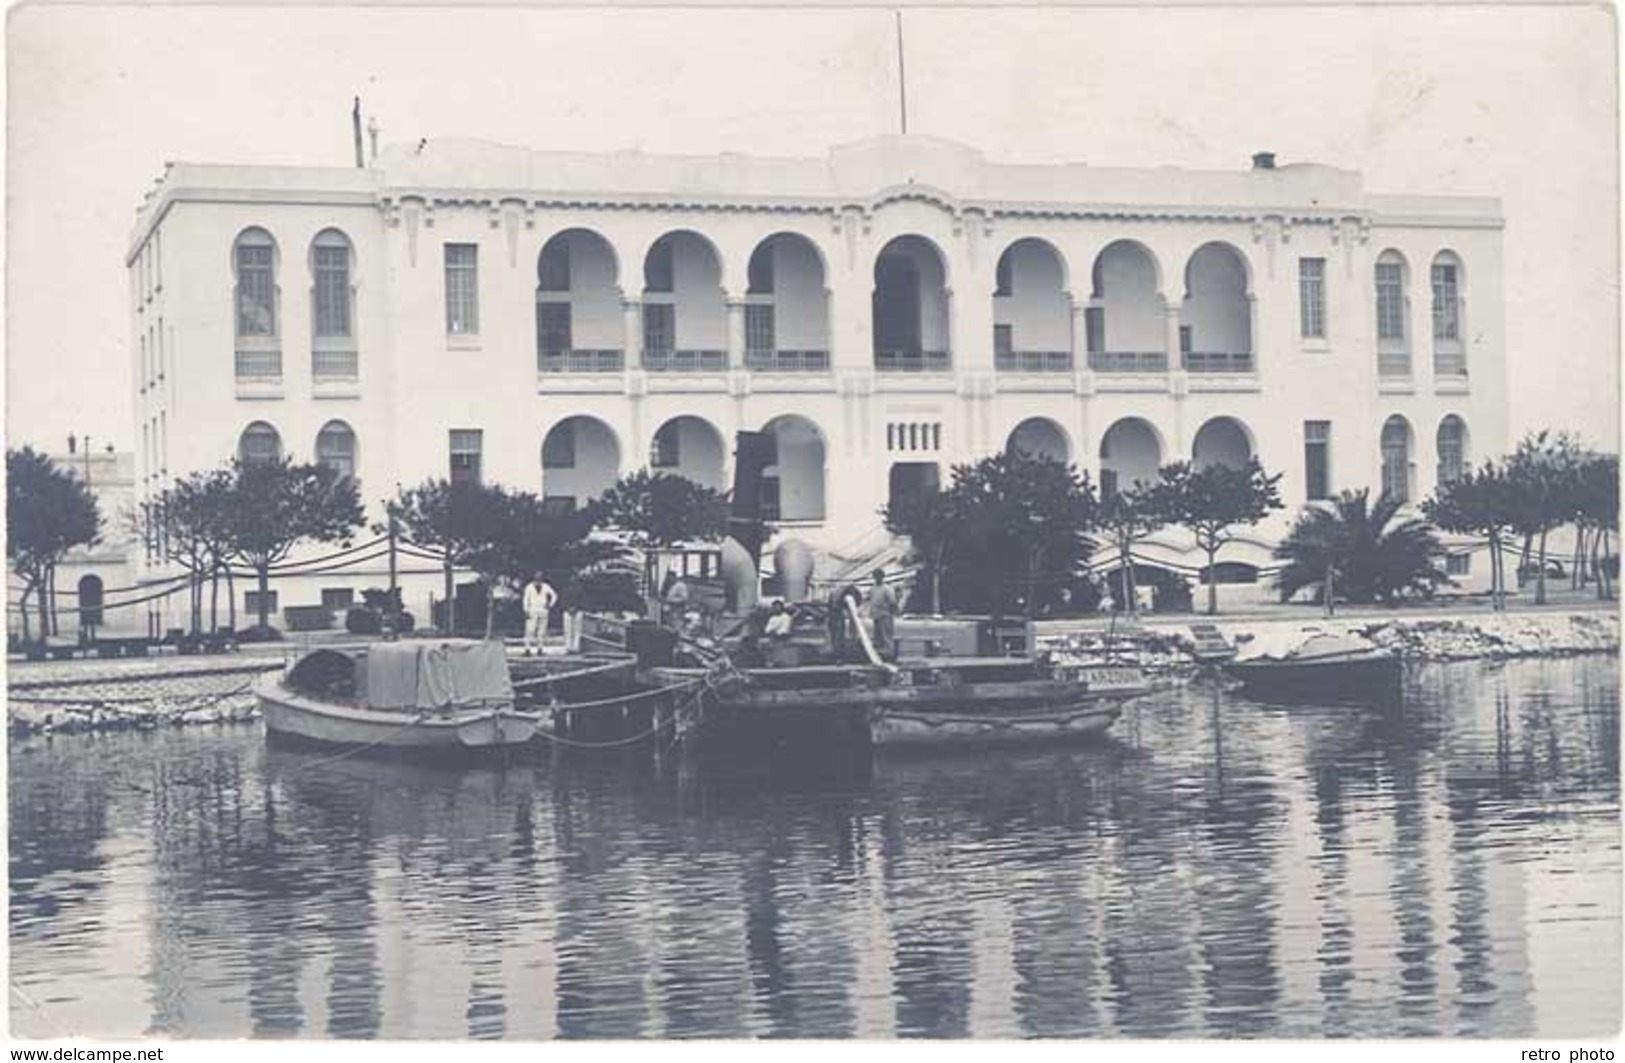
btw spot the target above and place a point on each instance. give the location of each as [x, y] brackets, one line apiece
[445, 694]
[1323, 665]
[936, 702]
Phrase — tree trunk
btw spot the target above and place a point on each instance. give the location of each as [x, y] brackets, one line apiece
[262, 573]
[451, 605]
[50, 596]
[1576, 576]
[491, 609]
[1212, 583]
[1498, 584]
[194, 599]
[1131, 604]
[1540, 571]
[214, 598]
[1032, 580]
[936, 589]
[1328, 591]
[231, 598]
[22, 608]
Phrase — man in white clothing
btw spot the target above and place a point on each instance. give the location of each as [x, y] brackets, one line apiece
[539, 599]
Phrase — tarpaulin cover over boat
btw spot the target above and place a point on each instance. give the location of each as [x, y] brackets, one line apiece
[428, 675]
[1286, 644]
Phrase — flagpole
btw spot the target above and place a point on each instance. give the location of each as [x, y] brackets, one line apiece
[902, 77]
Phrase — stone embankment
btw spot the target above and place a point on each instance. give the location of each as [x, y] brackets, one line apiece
[1166, 648]
[129, 695]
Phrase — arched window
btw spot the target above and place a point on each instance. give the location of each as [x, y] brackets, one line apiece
[1452, 441]
[1396, 458]
[1390, 280]
[259, 444]
[254, 257]
[335, 448]
[330, 260]
[1449, 350]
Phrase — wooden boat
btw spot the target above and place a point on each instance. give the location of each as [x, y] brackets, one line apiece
[1322, 666]
[937, 702]
[445, 694]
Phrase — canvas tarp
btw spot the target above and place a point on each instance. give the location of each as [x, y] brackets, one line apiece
[428, 675]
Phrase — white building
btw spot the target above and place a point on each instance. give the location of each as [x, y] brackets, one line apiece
[553, 320]
[94, 582]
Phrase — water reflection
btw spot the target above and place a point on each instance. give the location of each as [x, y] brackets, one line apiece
[1219, 868]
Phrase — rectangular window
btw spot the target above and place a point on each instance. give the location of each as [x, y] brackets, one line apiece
[462, 290]
[332, 291]
[659, 327]
[1094, 330]
[251, 602]
[1317, 444]
[657, 268]
[759, 332]
[1004, 276]
[767, 498]
[338, 597]
[1312, 297]
[559, 448]
[1458, 565]
[1184, 339]
[555, 269]
[256, 291]
[465, 455]
[1390, 301]
[553, 328]
[1004, 340]
[1446, 303]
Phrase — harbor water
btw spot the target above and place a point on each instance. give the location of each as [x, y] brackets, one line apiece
[1215, 867]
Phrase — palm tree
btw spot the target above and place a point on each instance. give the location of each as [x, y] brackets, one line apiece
[1358, 551]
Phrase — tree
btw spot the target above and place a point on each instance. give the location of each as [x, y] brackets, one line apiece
[459, 521]
[1365, 553]
[48, 513]
[1479, 502]
[1542, 474]
[1212, 500]
[929, 520]
[659, 510]
[276, 505]
[190, 525]
[1597, 508]
[1126, 517]
[1018, 518]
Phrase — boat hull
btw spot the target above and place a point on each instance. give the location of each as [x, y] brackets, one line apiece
[948, 729]
[289, 715]
[1373, 676]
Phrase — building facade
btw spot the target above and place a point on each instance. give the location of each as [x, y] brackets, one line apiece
[553, 320]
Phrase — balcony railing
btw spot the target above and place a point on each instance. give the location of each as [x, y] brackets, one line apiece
[787, 361]
[1450, 363]
[912, 362]
[259, 366]
[1128, 361]
[1033, 361]
[580, 361]
[334, 365]
[685, 361]
[1217, 361]
[1393, 363]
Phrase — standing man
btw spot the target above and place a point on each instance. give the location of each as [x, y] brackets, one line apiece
[883, 613]
[539, 599]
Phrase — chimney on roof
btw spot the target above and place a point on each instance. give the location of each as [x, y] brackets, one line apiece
[1264, 160]
[355, 126]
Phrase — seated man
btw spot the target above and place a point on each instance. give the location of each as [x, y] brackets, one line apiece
[779, 622]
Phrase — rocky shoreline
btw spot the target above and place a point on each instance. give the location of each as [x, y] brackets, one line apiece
[1168, 649]
[140, 700]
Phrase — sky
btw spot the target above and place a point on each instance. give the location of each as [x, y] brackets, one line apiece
[1515, 101]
